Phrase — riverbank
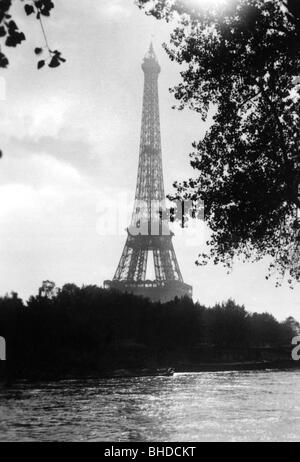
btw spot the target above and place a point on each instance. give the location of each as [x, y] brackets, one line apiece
[241, 366]
[6, 374]
[88, 331]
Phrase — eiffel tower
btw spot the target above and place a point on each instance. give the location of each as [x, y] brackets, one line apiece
[149, 230]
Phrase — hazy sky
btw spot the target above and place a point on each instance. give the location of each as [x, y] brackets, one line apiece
[70, 138]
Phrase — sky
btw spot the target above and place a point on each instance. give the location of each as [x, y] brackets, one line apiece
[70, 138]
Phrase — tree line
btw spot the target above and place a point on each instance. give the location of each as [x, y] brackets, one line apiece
[88, 329]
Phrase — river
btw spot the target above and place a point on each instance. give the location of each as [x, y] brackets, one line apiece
[224, 406]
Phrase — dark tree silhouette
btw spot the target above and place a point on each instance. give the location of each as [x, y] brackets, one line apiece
[47, 289]
[242, 58]
[91, 330]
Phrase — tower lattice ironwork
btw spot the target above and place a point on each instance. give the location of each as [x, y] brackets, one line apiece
[149, 230]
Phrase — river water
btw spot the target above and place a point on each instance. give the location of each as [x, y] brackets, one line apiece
[224, 406]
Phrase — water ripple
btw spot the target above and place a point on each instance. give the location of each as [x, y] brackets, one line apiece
[235, 406]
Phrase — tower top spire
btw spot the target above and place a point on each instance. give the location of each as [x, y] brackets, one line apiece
[151, 53]
[151, 49]
[150, 62]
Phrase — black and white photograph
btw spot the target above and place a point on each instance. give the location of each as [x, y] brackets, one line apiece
[149, 223]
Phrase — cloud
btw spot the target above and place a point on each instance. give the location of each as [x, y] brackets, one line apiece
[115, 9]
[32, 117]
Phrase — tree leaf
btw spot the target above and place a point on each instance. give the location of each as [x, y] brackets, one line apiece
[29, 9]
[3, 60]
[54, 62]
[41, 64]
